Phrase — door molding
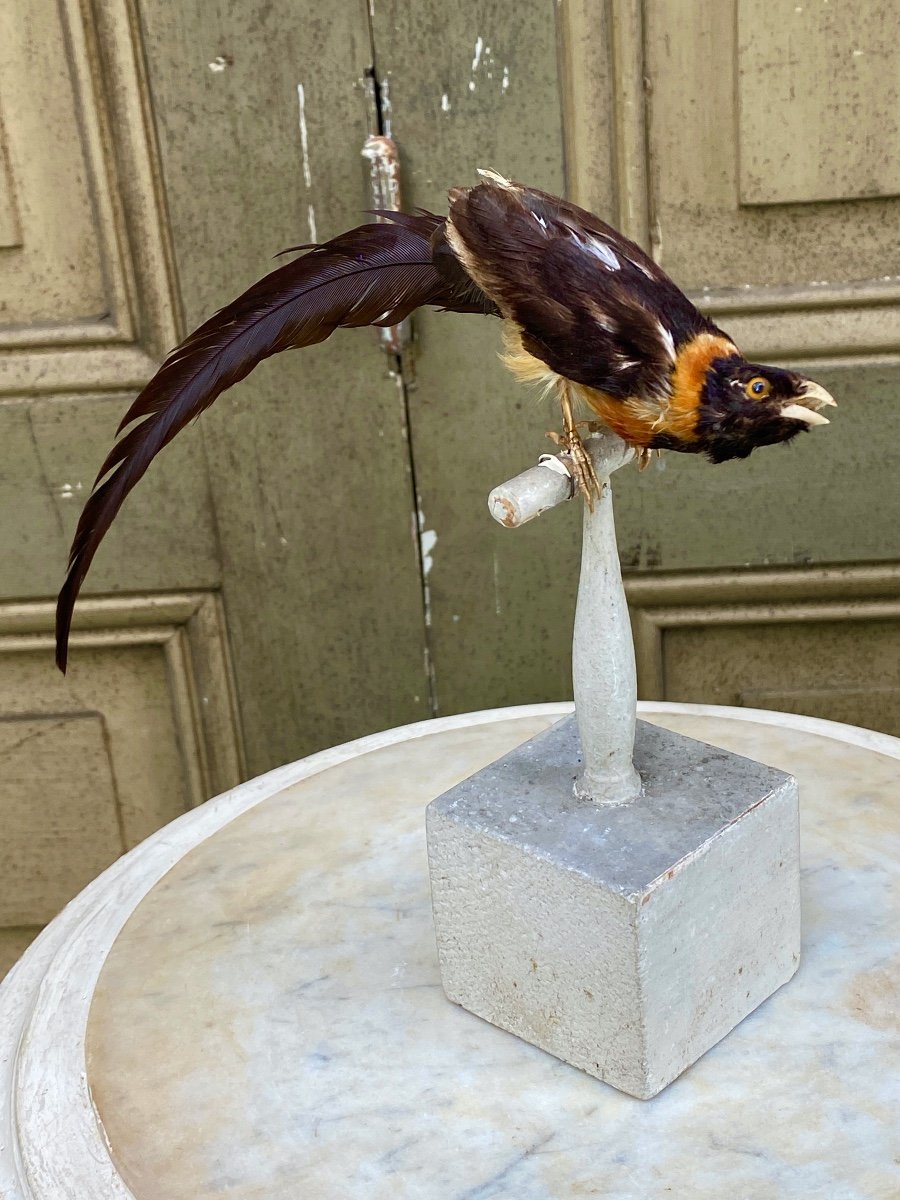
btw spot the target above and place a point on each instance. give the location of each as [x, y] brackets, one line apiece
[121, 347]
[751, 597]
[189, 629]
[608, 136]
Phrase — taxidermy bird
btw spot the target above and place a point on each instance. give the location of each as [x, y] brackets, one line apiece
[586, 313]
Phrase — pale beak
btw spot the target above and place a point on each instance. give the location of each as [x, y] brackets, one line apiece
[808, 416]
[815, 397]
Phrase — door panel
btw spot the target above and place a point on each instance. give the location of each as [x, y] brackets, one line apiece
[138, 174]
[501, 603]
[52, 447]
[723, 151]
[86, 295]
[648, 100]
[92, 763]
[308, 458]
[821, 641]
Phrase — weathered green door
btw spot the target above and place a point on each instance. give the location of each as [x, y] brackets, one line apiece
[261, 595]
[314, 559]
[753, 146]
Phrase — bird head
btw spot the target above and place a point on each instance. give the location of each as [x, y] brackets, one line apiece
[745, 405]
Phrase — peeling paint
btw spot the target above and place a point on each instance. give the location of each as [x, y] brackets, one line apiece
[445, 103]
[479, 47]
[311, 222]
[218, 64]
[427, 541]
[504, 86]
[304, 136]
[386, 110]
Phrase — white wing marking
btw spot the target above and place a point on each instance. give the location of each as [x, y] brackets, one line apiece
[600, 250]
[645, 270]
[494, 177]
[668, 340]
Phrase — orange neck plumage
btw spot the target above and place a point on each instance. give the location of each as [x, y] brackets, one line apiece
[638, 421]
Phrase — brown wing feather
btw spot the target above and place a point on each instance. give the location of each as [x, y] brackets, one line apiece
[588, 302]
[373, 275]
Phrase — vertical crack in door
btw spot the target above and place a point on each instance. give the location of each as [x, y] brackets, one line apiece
[381, 153]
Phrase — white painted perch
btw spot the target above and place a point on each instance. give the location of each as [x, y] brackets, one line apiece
[603, 670]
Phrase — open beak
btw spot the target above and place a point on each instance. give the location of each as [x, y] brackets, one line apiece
[814, 398]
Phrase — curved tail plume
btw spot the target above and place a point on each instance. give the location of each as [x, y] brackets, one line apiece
[373, 275]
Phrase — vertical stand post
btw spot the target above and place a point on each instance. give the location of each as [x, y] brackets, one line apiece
[603, 671]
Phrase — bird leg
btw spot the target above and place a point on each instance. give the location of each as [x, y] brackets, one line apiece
[585, 476]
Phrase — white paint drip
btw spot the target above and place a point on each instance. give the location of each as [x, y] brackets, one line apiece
[311, 221]
[498, 607]
[386, 110]
[479, 47]
[504, 86]
[445, 103]
[304, 136]
[471, 85]
[218, 64]
[427, 541]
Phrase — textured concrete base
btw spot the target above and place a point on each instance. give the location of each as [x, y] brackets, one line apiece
[627, 940]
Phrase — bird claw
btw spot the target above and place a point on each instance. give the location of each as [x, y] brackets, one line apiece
[580, 463]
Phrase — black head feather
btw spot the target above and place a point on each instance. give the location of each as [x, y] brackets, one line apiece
[745, 405]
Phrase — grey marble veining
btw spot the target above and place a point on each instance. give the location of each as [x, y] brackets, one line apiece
[270, 1024]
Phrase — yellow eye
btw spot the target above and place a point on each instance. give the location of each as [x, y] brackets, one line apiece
[758, 388]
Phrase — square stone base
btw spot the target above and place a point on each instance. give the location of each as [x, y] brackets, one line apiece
[624, 940]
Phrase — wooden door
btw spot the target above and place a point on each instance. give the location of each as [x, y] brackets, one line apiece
[313, 560]
[752, 146]
[755, 150]
[260, 596]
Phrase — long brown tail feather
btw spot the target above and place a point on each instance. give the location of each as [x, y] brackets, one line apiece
[373, 275]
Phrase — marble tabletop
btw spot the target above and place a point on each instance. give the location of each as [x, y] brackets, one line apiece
[249, 1006]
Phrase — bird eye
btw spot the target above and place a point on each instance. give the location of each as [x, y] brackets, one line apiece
[758, 388]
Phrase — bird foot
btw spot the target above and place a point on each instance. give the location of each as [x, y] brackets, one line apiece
[581, 466]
